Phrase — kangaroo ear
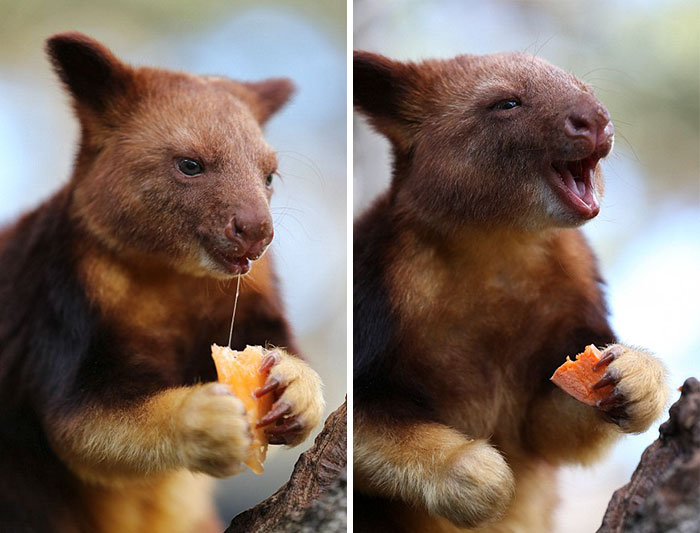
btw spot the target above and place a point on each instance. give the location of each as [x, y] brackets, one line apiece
[270, 96]
[92, 74]
[385, 90]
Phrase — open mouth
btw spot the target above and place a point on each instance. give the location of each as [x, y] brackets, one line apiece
[574, 182]
[234, 265]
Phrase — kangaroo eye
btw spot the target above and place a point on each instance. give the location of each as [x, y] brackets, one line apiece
[510, 103]
[268, 180]
[189, 167]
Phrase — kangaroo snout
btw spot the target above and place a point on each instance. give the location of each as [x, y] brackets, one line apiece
[592, 125]
[250, 231]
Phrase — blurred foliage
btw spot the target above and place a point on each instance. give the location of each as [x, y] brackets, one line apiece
[32, 18]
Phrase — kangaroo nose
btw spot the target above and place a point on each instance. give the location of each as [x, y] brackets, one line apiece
[250, 232]
[592, 126]
[578, 126]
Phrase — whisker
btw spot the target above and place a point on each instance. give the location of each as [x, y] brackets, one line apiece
[629, 144]
[618, 121]
[283, 226]
[285, 209]
[300, 177]
[608, 69]
[607, 90]
[545, 43]
[305, 160]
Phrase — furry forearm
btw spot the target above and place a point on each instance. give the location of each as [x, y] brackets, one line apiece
[431, 465]
[203, 428]
[103, 444]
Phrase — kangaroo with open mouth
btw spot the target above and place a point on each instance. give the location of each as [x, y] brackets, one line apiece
[472, 284]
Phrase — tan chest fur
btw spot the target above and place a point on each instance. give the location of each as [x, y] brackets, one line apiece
[479, 308]
[157, 311]
[177, 503]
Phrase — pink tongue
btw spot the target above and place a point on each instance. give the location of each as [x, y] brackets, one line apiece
[582, 188]
[577, 187]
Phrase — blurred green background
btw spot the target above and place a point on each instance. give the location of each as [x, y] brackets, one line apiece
[643, 59]
[247, 40]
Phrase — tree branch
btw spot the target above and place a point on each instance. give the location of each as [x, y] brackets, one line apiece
[314, 498]
[664, 492]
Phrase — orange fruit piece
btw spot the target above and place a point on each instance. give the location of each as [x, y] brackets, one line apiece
[577, 378]
[240, 371]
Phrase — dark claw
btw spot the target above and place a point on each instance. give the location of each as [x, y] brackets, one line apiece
[289, 426]
[607, 379]
[270, 360]
[608, 356]
[271, 385]
[619, 412]
[614, 400]
[279, 439]
[278, 410]
[610, 418]
[614, 407]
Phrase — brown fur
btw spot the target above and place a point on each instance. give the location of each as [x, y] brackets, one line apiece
[470, 289]
[113, 297]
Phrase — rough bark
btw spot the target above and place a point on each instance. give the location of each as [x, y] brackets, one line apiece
[314, 498]
[663, 495]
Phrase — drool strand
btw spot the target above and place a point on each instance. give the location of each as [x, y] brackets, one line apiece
[235, 303]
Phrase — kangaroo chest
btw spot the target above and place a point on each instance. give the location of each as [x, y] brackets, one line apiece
[471, 325]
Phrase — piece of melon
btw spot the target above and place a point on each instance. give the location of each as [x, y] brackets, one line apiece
[240, 371]
[577, 378]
